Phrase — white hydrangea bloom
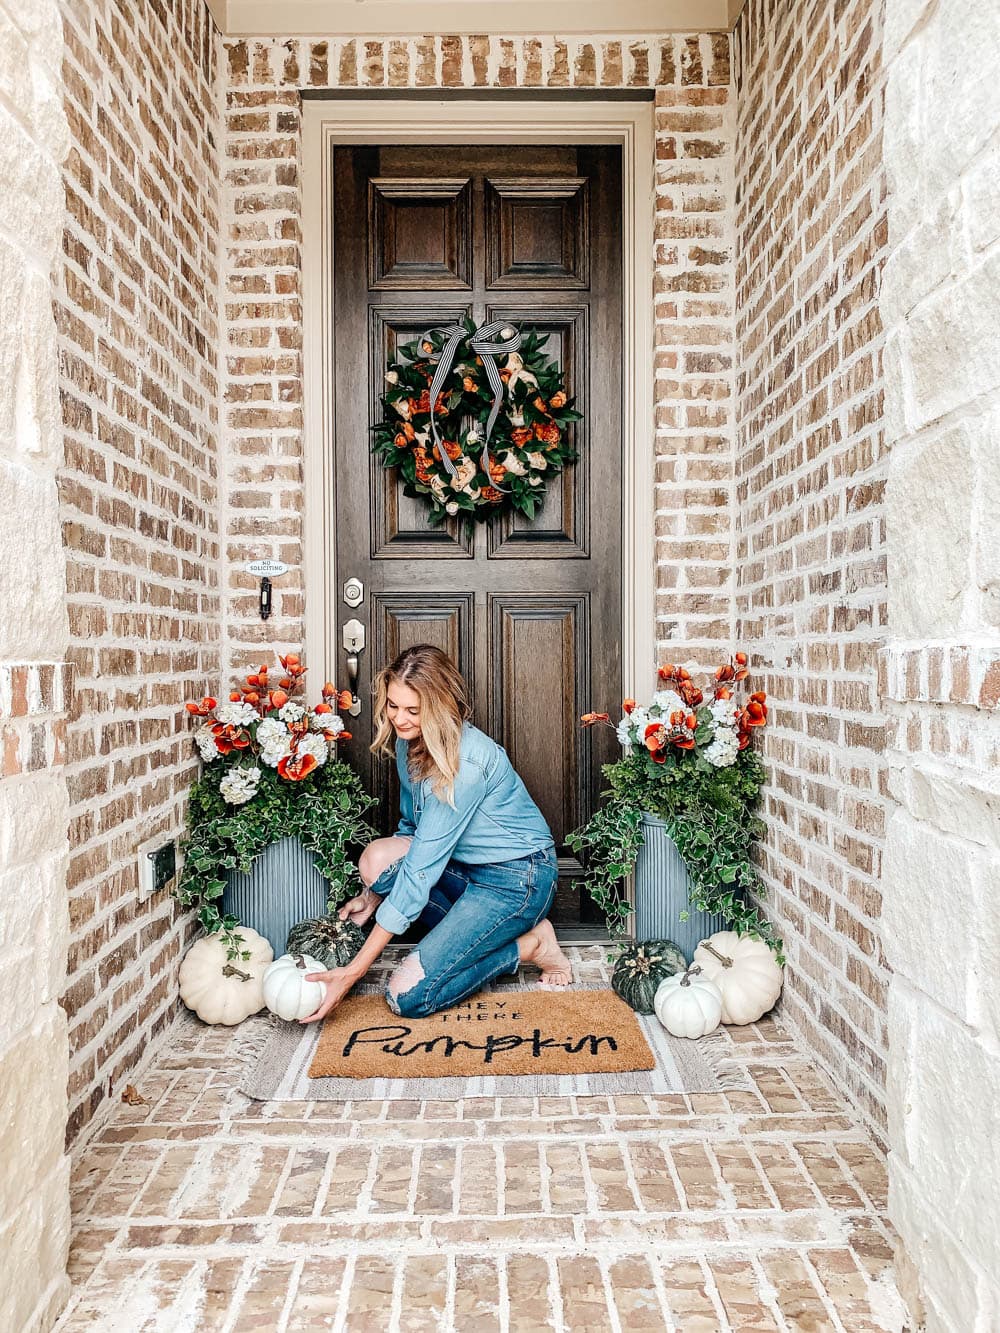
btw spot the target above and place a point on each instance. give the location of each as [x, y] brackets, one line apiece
[626, 733]
[274, 741]
[326, 722]
[724, 748]
[236, 714]
[205, 742]
[291, 712]
[240, 785]
[724, 712]
[632, 726]
[314, 745]
[668, 701]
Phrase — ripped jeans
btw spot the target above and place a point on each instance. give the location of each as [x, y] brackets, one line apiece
[476, 914]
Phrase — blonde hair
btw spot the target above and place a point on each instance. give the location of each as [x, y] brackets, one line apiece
[444, 706]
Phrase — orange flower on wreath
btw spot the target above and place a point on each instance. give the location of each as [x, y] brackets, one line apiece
[557, 400]
[521, 435]
[548, 432]
[491, 495]
[497, 471]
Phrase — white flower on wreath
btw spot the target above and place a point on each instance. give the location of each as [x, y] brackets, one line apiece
[314, 745]
[539, 461]
[205, 741]
[517, 418]
[451, 508]
[519, 375]
[391, 377]
[465, 470]
[472, 438]
[291, 712]
[236, 714]
[724, 749]
[536, 481]
[402, 408]
[240, 785]
[513, 465]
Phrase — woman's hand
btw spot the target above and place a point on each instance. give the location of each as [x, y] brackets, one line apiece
[359, 909]
[339, 981]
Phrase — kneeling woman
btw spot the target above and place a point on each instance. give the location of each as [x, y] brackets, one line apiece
[473, 857]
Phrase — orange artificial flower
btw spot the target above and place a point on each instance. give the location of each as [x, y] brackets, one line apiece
[539, 403]
[589, 719]
[278, 698]
[235, 697]
[295, 767]
[627, 706]
[469, 384]
[521, 435]
[557, 400]
[491, 495]
[204, 708]
[497, 472]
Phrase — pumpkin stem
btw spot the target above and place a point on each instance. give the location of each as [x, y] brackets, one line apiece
[300, 961]
[722, 958]
[230, 971]
[691, 972]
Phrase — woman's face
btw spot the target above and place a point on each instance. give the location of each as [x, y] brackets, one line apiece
[403, 710]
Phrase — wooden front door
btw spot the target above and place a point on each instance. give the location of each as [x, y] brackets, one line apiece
[531, 612]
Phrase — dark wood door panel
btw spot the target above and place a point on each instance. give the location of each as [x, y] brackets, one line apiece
[538, 232]
[531, 612]
[533, 711]
[420, 233]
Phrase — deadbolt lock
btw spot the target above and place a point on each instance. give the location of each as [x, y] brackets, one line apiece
[354, 592]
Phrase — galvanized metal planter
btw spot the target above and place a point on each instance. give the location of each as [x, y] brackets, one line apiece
[283, 887]
[661, 893]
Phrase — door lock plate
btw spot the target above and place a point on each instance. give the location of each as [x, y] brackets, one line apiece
[354, 592]
[354, 636]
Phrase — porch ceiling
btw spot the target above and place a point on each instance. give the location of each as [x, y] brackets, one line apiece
[403, 18]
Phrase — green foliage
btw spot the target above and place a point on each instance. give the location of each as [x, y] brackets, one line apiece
[325, 811]
[709, 815]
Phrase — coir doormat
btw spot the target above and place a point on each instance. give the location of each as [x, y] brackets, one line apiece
[496, 1033]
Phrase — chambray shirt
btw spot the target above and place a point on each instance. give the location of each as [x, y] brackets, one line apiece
[494, 819]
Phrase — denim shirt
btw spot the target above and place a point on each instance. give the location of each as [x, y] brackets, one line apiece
[494, 819]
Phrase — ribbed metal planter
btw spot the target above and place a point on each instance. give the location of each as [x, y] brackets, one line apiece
[661, 893]
[283, 887]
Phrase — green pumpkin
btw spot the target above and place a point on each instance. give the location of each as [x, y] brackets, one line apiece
[329, 940]
[641, 967]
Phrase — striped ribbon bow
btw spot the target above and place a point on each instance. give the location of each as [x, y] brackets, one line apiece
[487, 343]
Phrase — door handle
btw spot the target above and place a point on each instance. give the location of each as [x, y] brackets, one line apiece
[354, 645]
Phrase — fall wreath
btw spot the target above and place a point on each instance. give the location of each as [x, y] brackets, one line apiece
[499, 429]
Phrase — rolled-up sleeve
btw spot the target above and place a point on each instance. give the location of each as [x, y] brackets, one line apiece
[435, 838]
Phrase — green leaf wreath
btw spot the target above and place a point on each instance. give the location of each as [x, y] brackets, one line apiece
[528, 445]
[689, 763]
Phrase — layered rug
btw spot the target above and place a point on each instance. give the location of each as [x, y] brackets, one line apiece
[509, 1041]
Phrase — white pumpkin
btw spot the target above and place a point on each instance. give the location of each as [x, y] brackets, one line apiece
[745, 971]
[286, 991]
[220, 991]
[688, 1004]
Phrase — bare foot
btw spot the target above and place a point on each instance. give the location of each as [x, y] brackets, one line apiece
[541, 948]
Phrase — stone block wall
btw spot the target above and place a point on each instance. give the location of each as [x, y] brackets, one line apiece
[940, 304]
[693, 296]
[810, 473]
[137, 311]
[34, 680]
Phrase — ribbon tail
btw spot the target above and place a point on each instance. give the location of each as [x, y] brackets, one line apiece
[441, 372]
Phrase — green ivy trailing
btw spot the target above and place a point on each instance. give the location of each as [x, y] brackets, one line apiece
[709, 815]
[325, 812]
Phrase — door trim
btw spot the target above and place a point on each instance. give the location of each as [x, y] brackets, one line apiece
[480, 120]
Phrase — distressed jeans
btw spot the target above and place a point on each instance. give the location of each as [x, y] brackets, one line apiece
[476, 914]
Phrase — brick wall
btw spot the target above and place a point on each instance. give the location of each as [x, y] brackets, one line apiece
[810, 473]
[694, 293]
[138, 321]
[940, 301]
[34, 680]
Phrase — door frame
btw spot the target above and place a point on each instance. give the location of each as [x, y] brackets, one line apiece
[473, 120]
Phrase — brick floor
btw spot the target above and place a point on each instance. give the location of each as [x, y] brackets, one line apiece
[754, 1210]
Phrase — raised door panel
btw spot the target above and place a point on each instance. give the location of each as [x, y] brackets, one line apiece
[419, 233]
[400, 525]
[537, 232]
[402, 620]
